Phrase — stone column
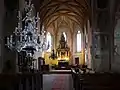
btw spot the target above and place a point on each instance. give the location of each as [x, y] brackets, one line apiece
[55, 40]
[10, 22]
[101, 27]
[71, 46]
[93, 25]
[111, 27]
[21, 5]
[102, 41]
[2, 13]
[72, 53]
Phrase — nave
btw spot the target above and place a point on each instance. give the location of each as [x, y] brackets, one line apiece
[40, 36]
[57, 82]
[76, 79]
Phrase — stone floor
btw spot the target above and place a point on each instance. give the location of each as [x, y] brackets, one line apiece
[57, 82]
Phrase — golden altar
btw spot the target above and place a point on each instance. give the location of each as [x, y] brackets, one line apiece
[63, 52]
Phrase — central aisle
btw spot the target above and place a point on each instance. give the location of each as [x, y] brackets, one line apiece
[57, 82]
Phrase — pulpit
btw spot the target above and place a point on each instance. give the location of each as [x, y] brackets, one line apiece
[63, 53]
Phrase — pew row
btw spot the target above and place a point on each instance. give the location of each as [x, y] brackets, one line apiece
[27, 81]
[96, 81]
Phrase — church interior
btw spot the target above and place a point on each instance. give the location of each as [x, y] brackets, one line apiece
[59, 44]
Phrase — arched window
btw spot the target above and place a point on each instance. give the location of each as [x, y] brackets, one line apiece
[49, 42]
[78, 41]
[65, 36]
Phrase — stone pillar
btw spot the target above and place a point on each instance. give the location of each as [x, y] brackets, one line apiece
[55, 39]
[92, 30]
[102, 32]
[72, 53]
[2, 13]
[71, 45]
[21, 5]
[10, 22]
[112, 23]
[102, 38]
[83, 47]
[9, 27]
[89, 44]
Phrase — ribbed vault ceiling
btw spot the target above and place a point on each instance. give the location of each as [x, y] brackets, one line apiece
[53, 10]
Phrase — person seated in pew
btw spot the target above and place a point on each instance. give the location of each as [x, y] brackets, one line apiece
[89, 70]
[84, 67]
[77, 68]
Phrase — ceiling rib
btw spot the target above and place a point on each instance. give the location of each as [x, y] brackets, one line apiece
[74, 10]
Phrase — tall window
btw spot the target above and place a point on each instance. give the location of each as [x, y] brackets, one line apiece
[49, 42]
[65, 35]
[78, 41]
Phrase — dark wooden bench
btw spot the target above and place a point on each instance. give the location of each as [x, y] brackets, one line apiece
[96, 81]
[27, 81]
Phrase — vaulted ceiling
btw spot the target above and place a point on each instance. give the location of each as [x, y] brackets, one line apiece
[54, 10]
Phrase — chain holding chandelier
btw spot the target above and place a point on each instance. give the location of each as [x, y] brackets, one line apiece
[26, 36]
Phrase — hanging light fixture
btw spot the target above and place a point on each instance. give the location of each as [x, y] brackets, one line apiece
[26, 36]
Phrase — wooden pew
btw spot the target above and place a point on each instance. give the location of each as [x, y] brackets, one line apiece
[27, 81]
[96, 81]
[100, 80]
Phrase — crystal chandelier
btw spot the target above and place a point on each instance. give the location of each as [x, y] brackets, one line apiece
[26, 36]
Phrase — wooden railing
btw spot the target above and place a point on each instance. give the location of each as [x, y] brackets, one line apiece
[27, 81]
[96, 81]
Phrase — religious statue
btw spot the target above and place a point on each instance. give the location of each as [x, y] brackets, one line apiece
[63, 50]
[63, 43]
